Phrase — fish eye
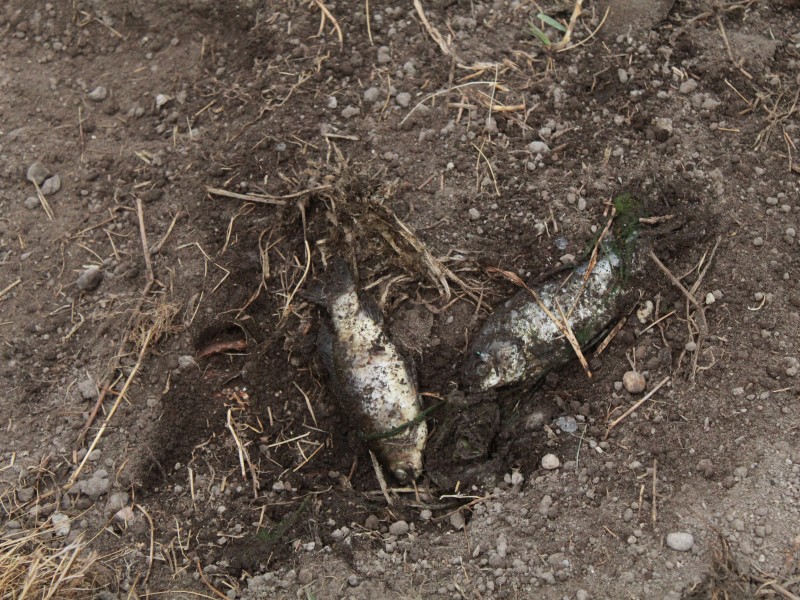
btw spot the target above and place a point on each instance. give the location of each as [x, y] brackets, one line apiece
[482, 356]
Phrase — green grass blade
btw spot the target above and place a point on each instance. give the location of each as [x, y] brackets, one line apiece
[552, 22]
[541, 35]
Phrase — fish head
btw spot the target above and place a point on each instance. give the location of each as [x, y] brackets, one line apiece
[406, 469]
[493, 365]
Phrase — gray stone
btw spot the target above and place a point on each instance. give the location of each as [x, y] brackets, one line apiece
[184, 362]
[352, 581]
[538, 147]
[25, 494]
[399, 528]
[474, 214]
[89, 279]
[582, 595]
[680, 541]
[88, 389]
[31, 202]
[116, 501]
[37, 173]
[634, 382]
[457, 520]
[95, 486]
[403, 99]
[61, 524]
[550, 462]
[51, 185]
[688, 86]
[371, 94]
[98, 94]
[350, 111]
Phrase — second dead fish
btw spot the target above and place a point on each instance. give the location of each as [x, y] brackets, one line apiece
[369, 377]
[520, 342]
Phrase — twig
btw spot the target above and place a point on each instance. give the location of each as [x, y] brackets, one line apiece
[308, 403]
[327, 13]
[604, 344]
[379, 475]
[10, 287]
[288, 306]
[265, 198]
[655, 510]
[369, 27]
[444, 46]
[207, 582]
[117, 402]
[621, 418]
[563, 327]
[591, 35]
[143, 233]
[43, 201]
[152, 541]
[562, 44]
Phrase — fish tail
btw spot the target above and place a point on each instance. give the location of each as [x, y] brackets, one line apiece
[336, 280]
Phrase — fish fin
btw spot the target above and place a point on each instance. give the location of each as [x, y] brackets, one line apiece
[372, 309]
[336, 280]
[325, 348]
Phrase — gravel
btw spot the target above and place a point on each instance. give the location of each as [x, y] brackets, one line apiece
[403, 99]
[680, 541]
[550, 462]
[31, 202]
[371, 94]
[474, 214]
[98, 94]
[634, 382]
[538, 147]
[688, 86]
[87, 388]
[97, 485]
[349, 112]
[89, 279]
[51, 185]
[37, 173]
[399, 528]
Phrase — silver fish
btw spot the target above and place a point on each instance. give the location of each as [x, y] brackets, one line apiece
[369, 377]
[520, 342]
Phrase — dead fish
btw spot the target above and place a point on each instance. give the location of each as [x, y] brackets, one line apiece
[369, 377]
[519, 341]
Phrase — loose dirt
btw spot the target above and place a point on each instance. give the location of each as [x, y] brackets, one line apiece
[164, 406]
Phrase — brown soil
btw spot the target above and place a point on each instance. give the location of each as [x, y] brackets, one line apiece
[690, 107]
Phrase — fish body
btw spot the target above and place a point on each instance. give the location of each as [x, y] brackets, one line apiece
[369, 377]
[520, 342]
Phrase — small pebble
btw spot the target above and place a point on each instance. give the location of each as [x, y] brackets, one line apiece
[352, 580]
[457, 520]
[98, 94]
[688, 86]
[398, 528]
[634, 382]
[690, 346]
[350, 111]
[680, 541]
[89, 279]
[371, 94]
[37, 173]
[550, 462]
[474, 214]
[332, 102]
[51, 185]
[403, 99]
[538, 147]
[759, 241]
[31, 202]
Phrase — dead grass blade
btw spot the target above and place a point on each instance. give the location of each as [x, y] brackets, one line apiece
[562, 324]
[644, 399]
[32, 567]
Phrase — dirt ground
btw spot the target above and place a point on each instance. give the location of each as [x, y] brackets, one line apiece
[200, 160]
